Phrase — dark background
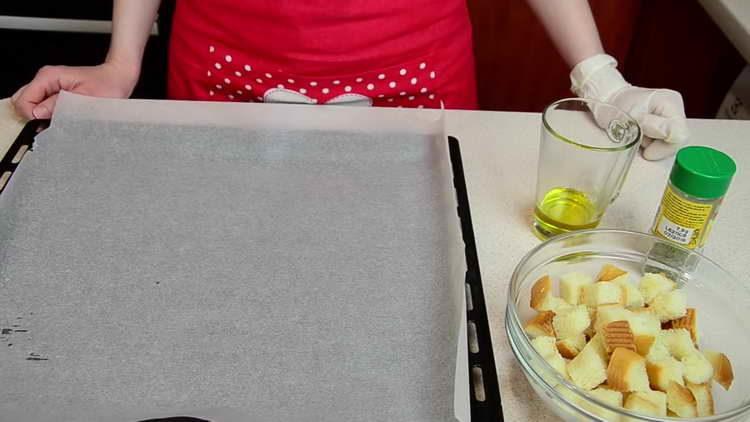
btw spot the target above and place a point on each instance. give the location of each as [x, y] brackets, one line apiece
[659, 43]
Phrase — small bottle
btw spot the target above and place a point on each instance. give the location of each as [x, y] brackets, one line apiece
[699, 179]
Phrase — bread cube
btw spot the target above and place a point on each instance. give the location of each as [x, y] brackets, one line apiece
[652, 284]
[571, 346]
[652, 403]
[540, 291]
[609, 272]
[681, 401]
[644, 323]
[545, 345]
[663, 372]
[608, 396]
[655, 350]
[631, 296]
[540, 325]
[601, 294]
[697, 369]
[678, 342]
[555, 304]
[669, 305]
[627, 371]
[559, 364]
[688, 322]
[704, 399]
[571, 286]
[617, 334]
[610, 313]
[548, 350]
[589, 368]
[571, 322]
[723, 372]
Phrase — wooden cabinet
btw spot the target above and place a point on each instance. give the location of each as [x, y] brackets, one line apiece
[658, 43]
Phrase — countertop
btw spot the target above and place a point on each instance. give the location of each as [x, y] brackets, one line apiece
[500, 157]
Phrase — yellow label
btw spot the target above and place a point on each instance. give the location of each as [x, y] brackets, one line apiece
[683, 221]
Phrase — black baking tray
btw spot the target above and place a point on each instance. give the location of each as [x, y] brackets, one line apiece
[484, 390]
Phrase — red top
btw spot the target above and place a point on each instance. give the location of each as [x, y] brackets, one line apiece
[411, 53]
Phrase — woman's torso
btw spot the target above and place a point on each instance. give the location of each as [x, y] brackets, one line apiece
[380, 52]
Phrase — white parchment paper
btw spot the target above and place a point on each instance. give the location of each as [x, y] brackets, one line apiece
[280, 262]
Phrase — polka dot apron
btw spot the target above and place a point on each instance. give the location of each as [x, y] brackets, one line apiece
[392, 53]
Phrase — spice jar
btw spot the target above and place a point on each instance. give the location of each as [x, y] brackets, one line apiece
[699, 180]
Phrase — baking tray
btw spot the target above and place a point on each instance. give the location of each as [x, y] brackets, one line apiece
[484, 389]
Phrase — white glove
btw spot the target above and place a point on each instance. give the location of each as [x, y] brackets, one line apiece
[660, 112]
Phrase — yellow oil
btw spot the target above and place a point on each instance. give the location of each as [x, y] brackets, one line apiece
[563, 210]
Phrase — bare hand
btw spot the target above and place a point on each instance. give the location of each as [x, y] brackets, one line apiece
[37, 98]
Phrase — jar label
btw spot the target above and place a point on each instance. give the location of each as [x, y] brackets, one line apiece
[683, 221]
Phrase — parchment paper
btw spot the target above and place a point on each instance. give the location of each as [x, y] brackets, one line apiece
[287, 263]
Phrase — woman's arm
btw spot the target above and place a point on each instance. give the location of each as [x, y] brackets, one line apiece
[131, 26]
[571, 26]
[594, 75]
[116, 77]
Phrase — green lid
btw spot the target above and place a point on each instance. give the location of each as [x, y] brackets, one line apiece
[702, 172]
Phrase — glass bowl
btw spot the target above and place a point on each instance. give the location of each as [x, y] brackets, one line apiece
[722, 303]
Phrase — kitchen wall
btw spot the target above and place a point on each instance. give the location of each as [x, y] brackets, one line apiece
[659, 43]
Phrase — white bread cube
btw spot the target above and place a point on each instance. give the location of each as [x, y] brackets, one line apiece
[560, 364]
[723, 372]
[655, 350]
[704, 399]
[610, 272]
[678, 342]
[571, 322]
[571, 286]
[548, 350]
[669, 305]
[553, 304]
[652, 284]
[608, 396]
[663, 372]
[681, 401]
[652, 403]
[589, 368]
[545, 345]
[601, 294]
[644, 323]
[571, 346]
[610, 313]
[631, 296]
[697, 369]
[627, 371]
[540, 325]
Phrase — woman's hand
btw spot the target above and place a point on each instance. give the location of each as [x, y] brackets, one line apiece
[37, 98]
[660, 112]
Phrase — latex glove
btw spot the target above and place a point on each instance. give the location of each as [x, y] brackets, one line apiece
[660, 112]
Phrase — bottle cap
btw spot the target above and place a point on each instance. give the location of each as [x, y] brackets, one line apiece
[702, 172]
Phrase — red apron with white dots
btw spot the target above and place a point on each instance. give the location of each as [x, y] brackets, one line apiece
[407, 53]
